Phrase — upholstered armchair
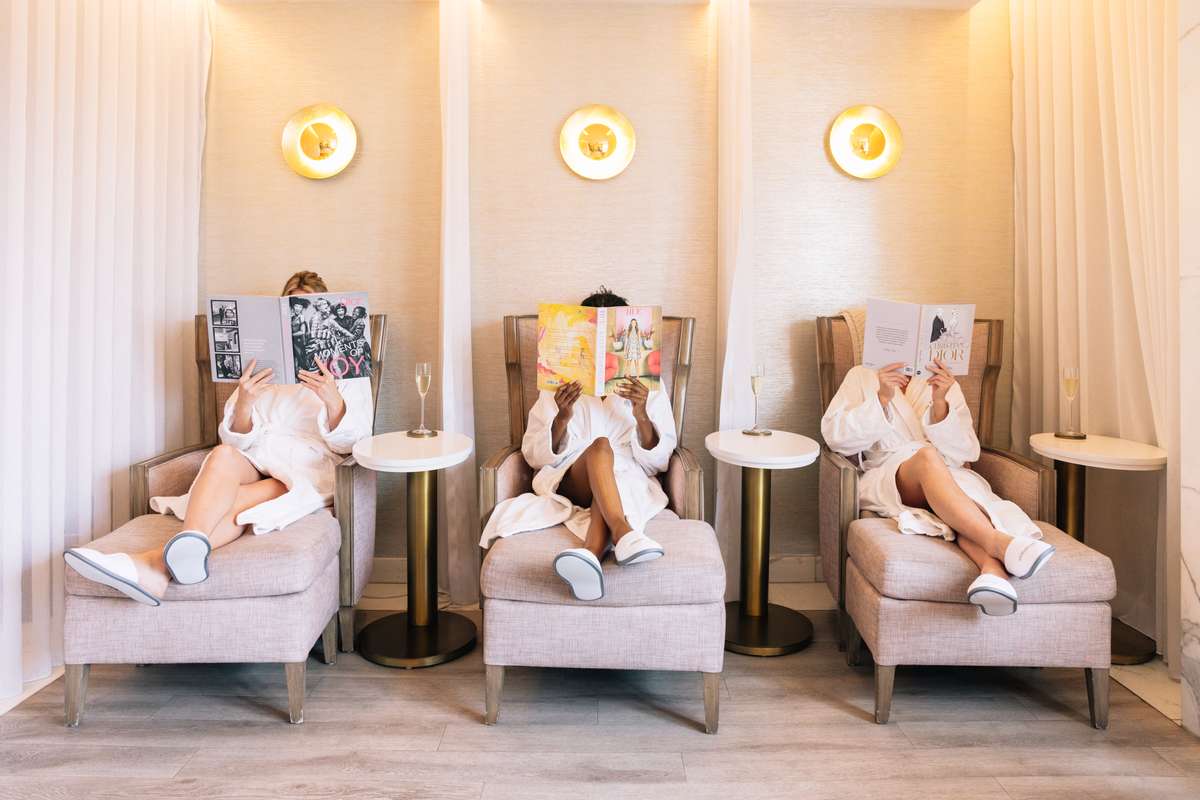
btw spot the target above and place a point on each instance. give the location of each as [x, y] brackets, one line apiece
[905, 596]
[269, 598]
[668, 615]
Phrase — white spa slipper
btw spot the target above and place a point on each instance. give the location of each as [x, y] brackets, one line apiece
[995, 596]
[112, 569]
[581, 570]
[636, 547]
[186, 555]
[1024, 557]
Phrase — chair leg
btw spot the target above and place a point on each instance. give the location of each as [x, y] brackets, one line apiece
[712, 700]
[75, 678]
[295, 689]
[345, 618]
[854, 644]
[495, 686]
[885, 681]
[329, 641]
[841, 622]
[1097, 692]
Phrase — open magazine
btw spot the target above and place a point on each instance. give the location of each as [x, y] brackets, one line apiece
[916, 335]
[289, 334]
[598, 346]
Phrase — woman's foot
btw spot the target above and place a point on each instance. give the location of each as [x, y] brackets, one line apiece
[581, 570]
[993, 594]
[636, 547]
[117, 570]
[1024, 557]
[186, 557]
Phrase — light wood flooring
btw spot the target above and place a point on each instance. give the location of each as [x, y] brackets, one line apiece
[797, 726]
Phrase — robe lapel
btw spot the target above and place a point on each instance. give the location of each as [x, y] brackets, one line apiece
[904, 404]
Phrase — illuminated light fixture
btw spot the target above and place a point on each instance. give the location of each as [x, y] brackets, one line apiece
[865, 141]
[319, 141]
[597, 142]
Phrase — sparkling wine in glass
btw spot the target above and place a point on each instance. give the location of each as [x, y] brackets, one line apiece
[424, 376]
[1070, 385]
[756, 381]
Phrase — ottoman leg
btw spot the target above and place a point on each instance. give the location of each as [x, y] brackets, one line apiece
[295, 689]
[712, 700]
[75, 680]
[1097, 691]
[494, 686]
[329, 641]
[885, 681]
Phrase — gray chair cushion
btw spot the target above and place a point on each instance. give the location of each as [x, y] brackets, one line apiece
[276, 563]
[521, 568]
[915, 567]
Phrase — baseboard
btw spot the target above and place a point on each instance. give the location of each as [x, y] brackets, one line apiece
[784, 569]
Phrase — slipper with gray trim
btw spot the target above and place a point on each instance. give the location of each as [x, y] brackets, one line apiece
[995, 596]
[111, 569]
[581, 570]
[186, 555]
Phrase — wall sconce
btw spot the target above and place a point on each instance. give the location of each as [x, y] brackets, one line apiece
[319, 141]
[597, 142]
[865, 141]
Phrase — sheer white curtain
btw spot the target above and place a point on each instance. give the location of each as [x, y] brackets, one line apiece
[1097, 262]
[459, 506]
[103, 105]
[735, 262]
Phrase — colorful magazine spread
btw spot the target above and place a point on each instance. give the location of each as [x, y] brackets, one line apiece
[289, 334]
[597, 347]
[916, 335]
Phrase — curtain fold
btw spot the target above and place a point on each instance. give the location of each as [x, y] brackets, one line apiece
[1097, 262]
[99, 230]
[735, 263]
[458, 514]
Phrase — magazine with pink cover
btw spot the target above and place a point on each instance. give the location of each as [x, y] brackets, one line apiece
[598, 347]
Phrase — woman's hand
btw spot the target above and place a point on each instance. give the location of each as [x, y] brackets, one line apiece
[637, 394]
[250, 387]
[565, 397]
[941, 381]
[324, 386]
[891, 379]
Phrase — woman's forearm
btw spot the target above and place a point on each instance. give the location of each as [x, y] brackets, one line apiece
[939, 411]
[335, 411]
[558, 432]
[242, 419]
[646, 433]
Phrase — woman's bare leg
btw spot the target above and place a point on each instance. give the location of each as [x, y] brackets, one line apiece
[925, 481]
[591, 482]
[986, 564]
[597, 535]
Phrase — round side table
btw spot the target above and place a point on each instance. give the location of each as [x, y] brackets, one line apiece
[1071, 459]
[421, 636]
[753, 626]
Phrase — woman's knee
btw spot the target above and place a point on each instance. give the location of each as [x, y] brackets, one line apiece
[599, 448]
[224, 459]
[928, 459]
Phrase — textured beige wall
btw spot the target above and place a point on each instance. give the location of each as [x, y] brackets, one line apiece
[373, 227]
[937, 228]
[539, 232]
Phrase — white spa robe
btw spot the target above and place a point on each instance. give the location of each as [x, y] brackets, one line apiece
[642, 496]
[290, 440]
[856, 425]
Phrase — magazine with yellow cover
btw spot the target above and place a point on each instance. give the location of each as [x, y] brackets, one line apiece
[598, 346]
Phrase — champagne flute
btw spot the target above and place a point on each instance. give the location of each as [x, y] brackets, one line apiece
[756, 379]
[1070, 384]
[423, 376]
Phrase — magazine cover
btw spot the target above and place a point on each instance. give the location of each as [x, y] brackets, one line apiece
[333, 328]
[634, 346]
[597, 347]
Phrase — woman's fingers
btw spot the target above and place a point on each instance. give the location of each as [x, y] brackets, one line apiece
[323, 367]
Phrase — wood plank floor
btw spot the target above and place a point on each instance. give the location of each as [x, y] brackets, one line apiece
[798, 726]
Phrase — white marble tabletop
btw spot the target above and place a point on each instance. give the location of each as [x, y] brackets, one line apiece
[1106, 452]
[780, 450]
[399, 452]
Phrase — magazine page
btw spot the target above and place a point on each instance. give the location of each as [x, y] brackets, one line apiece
[633, 347]
[890, 334]
[566, 346]
[946, 332]
[333, 328]
[241, 329]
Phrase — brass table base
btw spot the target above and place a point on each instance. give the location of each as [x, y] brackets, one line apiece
[393, 641]
[1131, 646]
[779, 632]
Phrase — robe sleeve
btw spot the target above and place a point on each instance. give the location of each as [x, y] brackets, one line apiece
[357, 421]
[537, 445]
[242, 441]
[855, 420]
[657, 458]
[954, 436]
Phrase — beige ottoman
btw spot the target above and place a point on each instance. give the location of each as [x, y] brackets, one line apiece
[668, 614]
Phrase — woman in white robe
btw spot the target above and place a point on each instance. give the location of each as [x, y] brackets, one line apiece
[596, 460]
[276, 463]
[913, 438]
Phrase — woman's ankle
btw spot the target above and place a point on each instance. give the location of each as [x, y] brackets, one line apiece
[1000, 543]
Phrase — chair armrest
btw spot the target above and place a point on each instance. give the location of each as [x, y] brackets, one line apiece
[354, 507]
[837, 508]
[506, 474]
[684, 484]
[1027, 483]
[167, 475]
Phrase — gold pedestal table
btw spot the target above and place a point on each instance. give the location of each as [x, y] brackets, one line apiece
[753, 626]
[1071, 458]
[421, 636]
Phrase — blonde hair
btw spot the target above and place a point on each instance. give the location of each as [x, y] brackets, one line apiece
[304, 282]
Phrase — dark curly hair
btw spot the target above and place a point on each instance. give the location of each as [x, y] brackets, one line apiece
[604, 298]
